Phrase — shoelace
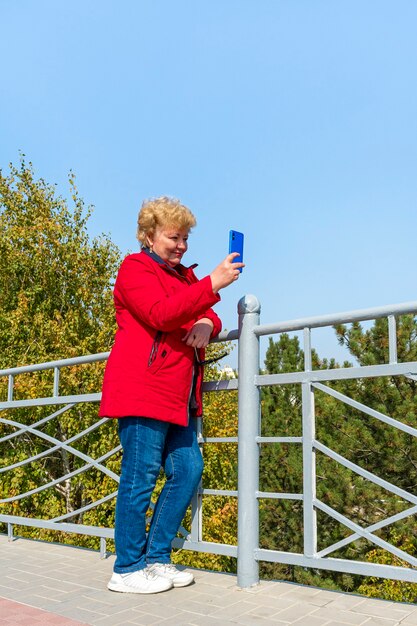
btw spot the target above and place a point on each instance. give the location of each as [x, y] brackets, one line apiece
[167, 567]
[150, 574]
[147, 573]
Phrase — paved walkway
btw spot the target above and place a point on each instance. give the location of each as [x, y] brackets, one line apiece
[43, 583]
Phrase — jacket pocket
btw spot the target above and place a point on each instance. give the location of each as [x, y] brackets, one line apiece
[155, 347]
[158, 353]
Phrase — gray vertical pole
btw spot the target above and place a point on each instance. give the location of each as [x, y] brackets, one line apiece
[392, 339]
[309, 455]
[248, 450]
[196, 533]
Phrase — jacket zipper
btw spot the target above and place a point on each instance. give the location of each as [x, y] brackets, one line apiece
[155, 347]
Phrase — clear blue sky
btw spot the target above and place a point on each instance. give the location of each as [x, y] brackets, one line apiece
[294, 121]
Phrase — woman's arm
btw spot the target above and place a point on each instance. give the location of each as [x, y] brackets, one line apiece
[139, 289]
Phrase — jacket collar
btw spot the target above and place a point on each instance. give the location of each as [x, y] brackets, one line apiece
[179, 269]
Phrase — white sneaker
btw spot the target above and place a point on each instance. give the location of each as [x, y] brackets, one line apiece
[168, 571]
[141, 581]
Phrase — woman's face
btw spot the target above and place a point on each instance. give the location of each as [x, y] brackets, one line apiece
[170, 243]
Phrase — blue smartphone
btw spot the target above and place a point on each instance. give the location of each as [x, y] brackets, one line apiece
[236, 245]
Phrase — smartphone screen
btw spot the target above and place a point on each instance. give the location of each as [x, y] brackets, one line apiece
[236, 245]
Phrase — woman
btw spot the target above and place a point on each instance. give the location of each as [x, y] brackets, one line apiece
[153, 381]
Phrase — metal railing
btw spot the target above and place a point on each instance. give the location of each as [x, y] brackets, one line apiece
[249, 385]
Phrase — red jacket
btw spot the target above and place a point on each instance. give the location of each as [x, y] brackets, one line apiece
[150, 370]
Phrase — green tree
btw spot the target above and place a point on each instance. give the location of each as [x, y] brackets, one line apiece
[281, 464]
[55, 302]
[382, 449]
[362, 439]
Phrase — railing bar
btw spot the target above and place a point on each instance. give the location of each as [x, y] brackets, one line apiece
[342, 373]
[185, 534]
[61, 479]
[59, 444]
[217, 440]
[85, 508]
[79, 529]
[205, 547]
[24, 428]
[230, 384]
[336, 318]
[365, 474]
[226, 335]
[21, 404]
[79, 360]
[42, 435]
[279, 439]
[363, 568]
[377, 526]
[218, 492]
[365, 409]
[279, 496]
[31, 459]
[365, 534]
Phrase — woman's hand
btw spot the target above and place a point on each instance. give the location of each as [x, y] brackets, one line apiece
[199, 335]
[226, 273]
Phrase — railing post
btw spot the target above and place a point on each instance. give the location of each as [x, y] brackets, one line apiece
[196, 533]
[248, 450]
[309, 455]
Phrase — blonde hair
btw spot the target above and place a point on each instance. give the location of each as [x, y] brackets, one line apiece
[162, 212]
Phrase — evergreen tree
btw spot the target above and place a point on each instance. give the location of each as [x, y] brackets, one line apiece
[362, 439]
[382, 449]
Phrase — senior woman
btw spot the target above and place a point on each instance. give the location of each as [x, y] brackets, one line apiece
[153, 383]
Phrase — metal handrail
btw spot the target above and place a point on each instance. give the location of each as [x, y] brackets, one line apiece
[249, 384]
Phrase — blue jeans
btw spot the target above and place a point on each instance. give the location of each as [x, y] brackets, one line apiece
[148, 445]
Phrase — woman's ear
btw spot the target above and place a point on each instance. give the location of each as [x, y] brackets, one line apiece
[149, 241]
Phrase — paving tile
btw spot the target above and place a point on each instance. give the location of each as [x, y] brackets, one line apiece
[311, 620]
[201, 620]
[219, 600]
[163, 612]
[346, 601]
[120, 619]
[382, 608]
[263, 611]
[70, 583]
[253, 620]
[17, 613]
[235, 610]
[411, 618]
[144, 619]
[278, 604]
[380, 621]
[81, 615]
[198, 608]
[343, 617]
[333, 623]
[296, 611]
